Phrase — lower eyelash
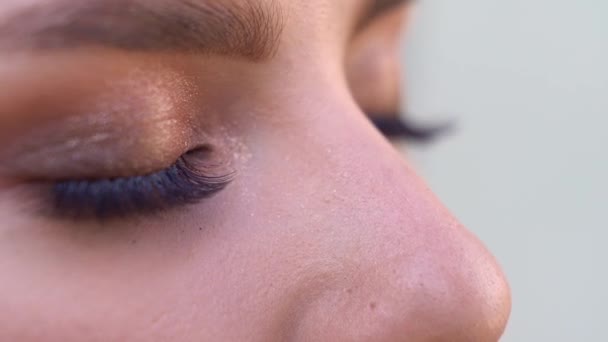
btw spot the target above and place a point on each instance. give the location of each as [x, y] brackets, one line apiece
[180, 184]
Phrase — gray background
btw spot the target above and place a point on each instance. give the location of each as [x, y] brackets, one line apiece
[527, 167]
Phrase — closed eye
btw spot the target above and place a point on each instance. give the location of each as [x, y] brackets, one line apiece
[185, 182]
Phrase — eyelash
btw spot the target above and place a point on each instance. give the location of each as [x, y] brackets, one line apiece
[178, 185]
[394, 127]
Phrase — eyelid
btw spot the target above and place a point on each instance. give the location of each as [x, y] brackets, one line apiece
[380, 7]
[132, 115]
[71, 149]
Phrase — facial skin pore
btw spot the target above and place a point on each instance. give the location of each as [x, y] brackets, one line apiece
[324, 232]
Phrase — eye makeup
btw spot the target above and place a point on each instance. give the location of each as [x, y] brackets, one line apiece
[185, 182]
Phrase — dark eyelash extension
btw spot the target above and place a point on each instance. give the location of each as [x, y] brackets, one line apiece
[394, 127]
[180, 184]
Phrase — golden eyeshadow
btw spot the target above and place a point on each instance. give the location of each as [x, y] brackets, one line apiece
[120, 122]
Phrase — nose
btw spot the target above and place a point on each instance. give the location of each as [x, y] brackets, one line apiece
[413, 272]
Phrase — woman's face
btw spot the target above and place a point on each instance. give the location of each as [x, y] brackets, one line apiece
[202, 170]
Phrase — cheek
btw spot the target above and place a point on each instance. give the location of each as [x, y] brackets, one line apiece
[106, 285]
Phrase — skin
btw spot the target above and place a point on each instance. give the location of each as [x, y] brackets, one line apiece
[325, 233]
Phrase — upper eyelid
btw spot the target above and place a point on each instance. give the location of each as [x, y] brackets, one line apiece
[70, 149]
[378, 8]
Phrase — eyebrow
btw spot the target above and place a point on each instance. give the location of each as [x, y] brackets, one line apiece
[249, 29]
